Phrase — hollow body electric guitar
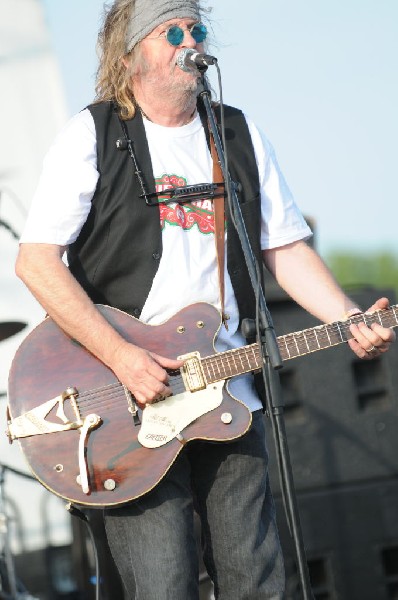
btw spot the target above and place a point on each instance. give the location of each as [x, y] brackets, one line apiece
[80, 429]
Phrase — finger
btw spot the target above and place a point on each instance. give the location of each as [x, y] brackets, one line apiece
[375, 338]
[373, 350]
[359, 350]
[150, 391]
[154, 368]
[365, 336]
[368, 350]
[380, 304]
[159, 366]
[167, 363]
[386, 335]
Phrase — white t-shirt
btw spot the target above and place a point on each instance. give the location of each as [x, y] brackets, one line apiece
[188, 268]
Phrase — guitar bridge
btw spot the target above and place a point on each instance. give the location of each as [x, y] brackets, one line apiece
[192, 372]
[35, 422]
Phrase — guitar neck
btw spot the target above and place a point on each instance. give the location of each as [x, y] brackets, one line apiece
[247, 359]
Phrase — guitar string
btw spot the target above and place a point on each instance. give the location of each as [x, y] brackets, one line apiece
[102, 397]
[328, 332]
[326, 335]
[302, 342]
[99, 397]
[297, 343]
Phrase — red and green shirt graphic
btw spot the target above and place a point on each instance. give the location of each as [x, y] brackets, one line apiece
[186, 216]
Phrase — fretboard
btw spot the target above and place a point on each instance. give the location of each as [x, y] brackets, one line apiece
[246, 359]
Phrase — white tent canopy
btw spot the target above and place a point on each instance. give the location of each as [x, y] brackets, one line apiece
[32, 110]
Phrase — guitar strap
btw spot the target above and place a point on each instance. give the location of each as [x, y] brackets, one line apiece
[219, 229]
[218, 206]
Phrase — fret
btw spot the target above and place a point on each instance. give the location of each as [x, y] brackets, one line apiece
[327, 333]
[236, 363]
[220, 367]
[332, 335]
[218, 364]
[283, 349]
[390, 317]
[233, 367]
[253, 350]
[241, 361]
[205, 367]
[286, 346]
[315, 340]
[248, 358]
[230, 363]
[303, 343]
[248, 364]
[340, 332]
[236, 368]
[212, 373]
[295, 341]
[316, 336]
[290, 340]
[227, 356]
[256, 361]
[306, 341]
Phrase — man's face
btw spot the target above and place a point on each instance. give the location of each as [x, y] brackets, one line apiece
[158, 57]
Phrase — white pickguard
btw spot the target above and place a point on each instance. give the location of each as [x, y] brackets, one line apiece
[164, 420]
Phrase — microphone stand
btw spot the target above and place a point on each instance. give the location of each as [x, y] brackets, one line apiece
[270, 352]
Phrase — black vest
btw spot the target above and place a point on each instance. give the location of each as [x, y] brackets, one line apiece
[117, 253]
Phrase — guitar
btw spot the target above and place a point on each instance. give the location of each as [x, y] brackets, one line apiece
[80, 429]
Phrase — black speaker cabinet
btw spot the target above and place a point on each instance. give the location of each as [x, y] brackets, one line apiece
[351, 539]
[341, 418]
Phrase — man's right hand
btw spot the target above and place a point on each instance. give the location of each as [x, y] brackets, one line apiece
[143, 373]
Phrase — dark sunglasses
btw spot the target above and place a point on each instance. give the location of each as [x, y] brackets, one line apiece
[175, 34]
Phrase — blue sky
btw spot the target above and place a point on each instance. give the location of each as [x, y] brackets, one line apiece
[320, 78]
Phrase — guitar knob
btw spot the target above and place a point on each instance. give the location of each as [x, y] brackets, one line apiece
[110, 485]
[226, 418]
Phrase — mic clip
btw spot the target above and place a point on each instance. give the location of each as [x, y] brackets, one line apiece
[122, 144]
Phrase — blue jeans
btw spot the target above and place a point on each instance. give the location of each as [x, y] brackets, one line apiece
[153, 542]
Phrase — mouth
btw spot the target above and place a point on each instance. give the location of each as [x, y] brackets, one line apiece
[184, 60]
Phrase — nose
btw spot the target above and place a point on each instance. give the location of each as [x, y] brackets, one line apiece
[188, 41]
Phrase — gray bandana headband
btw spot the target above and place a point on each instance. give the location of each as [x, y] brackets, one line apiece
[148, 14]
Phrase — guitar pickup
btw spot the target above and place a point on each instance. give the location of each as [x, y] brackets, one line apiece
[192, 372]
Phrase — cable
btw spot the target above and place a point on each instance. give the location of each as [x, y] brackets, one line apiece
[76, 512]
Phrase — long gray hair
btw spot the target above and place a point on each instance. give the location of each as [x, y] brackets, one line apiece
[113, 80]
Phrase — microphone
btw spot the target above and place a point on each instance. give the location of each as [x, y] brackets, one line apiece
[189, 59]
